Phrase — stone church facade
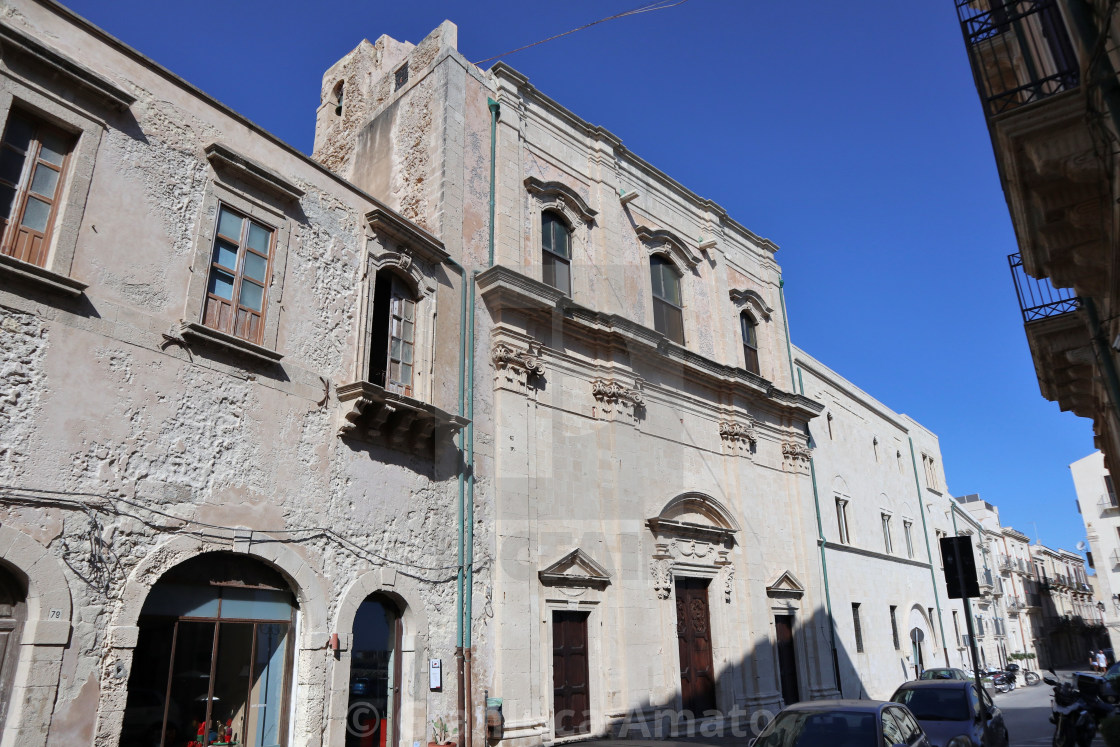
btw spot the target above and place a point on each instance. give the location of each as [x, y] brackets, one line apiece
[472, 403]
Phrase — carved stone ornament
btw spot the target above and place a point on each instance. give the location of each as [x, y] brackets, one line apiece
[662, 574]
[616, 399]
[514, 369]
[728, 573]
[796, 456]
[738, 435]
[371, 413]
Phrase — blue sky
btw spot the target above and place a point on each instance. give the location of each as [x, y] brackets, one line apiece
[850, 134]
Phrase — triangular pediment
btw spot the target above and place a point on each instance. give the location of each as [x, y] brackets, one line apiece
[786, 584]
[577, 568]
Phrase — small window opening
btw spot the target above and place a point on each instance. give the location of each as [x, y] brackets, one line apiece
[338, 94]
[400, 78]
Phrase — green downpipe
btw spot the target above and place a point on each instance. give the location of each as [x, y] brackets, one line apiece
[816, 500]
[929, 552]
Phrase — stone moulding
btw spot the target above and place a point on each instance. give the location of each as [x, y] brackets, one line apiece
[224, 158]
[748, 297]
[666, 241]
[40, 276]
[563, 192]
[615, 398]
[506, 290]
[739, 435]
[795, 457]
[77, 74]
[369, 412]
[200, 333]
[590, 573]
[516, 369]
[422, 244]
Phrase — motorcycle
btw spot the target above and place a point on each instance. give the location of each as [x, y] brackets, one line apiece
[1075, 714]
[1001, 680]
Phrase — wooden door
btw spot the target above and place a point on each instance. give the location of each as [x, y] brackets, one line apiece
[787, 659]
[694, 639]
[12, 610]
[570, 700]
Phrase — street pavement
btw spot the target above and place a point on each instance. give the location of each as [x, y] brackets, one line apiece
[1026, 712]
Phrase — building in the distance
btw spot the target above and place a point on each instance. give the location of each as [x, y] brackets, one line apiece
[1100, 510]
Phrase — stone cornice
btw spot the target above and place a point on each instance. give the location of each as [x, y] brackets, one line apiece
[502, 287]
[667, 240]
[222, 157]
[77, 74]
[423, 244]
[565, 193]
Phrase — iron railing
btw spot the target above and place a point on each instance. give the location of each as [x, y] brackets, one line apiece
[1019, 49]
[1038, 299]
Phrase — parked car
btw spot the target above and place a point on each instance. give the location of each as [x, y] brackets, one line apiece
[843, 723]
[950, 713]
[945, 673]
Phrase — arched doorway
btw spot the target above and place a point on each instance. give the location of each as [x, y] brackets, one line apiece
[375, 674]
[213, 660]
[13, 612]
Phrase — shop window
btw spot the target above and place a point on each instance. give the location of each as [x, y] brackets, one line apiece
[213, 660]
[375, 674]
[33, 160]
[393, 334]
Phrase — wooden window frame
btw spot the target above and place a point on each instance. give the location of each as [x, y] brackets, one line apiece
[658, 263]
[19, 241]
[550, 257]
[389, 288]
[748, 328]
[238, 274]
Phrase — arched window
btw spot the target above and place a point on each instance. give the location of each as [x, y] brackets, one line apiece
[393, 333]
[213, 661]
[668, 319]
[375, 673]
[750, 342]
[556, 241]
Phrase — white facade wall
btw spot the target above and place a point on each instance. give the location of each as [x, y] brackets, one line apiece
[1101, 515]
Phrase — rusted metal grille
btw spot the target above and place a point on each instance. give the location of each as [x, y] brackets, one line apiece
[1038, 299]
[1019, 49]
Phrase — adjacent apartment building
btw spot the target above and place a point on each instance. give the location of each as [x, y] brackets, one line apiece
[473, 417]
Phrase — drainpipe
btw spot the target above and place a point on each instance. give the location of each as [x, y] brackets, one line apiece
[816, 500]
[460, 442]
[466, 617]
[929, 552]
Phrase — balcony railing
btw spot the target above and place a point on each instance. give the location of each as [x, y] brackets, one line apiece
[1019, 50]
[1006, 563]
[1108, 502]
[1038, 299]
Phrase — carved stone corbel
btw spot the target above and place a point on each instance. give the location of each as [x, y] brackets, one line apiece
[738, 436]
[516, 369]
[616, 399]
[795, 456]
[662, 574]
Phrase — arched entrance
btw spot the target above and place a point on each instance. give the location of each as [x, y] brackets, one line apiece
[375, 675]
[13, 613]
[920, 640]
[213, 659]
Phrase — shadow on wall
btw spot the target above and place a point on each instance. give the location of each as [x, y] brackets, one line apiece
[749, 693]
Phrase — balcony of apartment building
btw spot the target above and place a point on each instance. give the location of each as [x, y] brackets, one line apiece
[1053, 118]
[1014, 605]
[1006, 564]
[986, 582]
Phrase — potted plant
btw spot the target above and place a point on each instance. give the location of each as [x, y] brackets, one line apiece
[441, 733]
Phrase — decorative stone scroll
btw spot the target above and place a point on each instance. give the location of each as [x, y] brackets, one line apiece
[514, 369]
[795, 457]
[738, 436]
[662, 571]
[617, 400]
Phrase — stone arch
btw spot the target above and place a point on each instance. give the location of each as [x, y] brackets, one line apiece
[665, 242]
[124, 629]
[693, 504]
[406, 593]
[918, 619]
[839, 486]
[418, 279]
[46, 632]
[559, 196]
[752, 302]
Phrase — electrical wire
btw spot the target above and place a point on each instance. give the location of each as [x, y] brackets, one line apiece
[659, 5]
[62, 499]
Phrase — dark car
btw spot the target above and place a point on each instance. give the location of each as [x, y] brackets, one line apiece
[950, 713]
[944, 673]
[843, 723]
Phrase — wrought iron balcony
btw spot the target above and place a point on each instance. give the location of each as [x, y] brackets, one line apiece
[1038, 299]
[1019, 50]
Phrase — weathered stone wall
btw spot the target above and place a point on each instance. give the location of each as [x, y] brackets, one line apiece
[122, 440]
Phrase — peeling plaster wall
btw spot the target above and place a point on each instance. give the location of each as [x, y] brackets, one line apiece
[117, 442]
